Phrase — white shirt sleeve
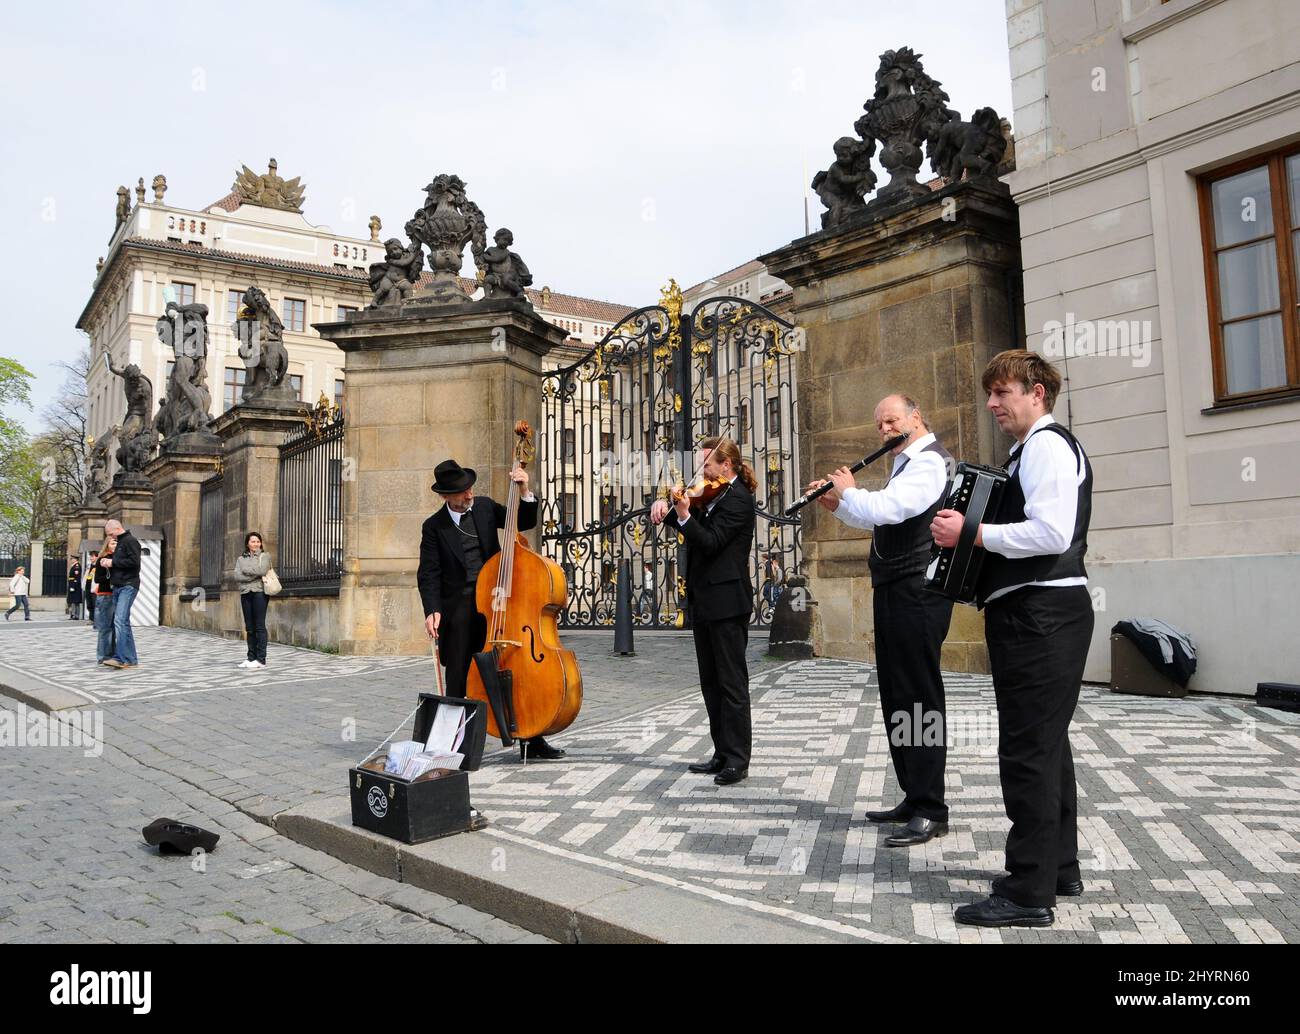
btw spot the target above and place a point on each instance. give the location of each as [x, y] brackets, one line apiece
[912, 491]
[1050, 473]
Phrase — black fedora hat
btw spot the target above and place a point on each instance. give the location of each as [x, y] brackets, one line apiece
[178, 836]
[449, 478]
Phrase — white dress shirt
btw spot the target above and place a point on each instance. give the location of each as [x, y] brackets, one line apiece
[1050, 475]
[911, 490]
[456, 515]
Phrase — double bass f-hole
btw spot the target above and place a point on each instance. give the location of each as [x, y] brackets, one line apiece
[532, 643]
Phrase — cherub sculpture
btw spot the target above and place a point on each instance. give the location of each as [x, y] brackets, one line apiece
[394, 279]
[844, 186]
[973, 148]
[506, 275]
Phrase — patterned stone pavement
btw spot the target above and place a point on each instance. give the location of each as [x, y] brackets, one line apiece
[1190, 810]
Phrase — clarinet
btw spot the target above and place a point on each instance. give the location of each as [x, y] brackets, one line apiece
[816, 493]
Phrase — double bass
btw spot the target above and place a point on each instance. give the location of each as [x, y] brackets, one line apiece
[530, 682]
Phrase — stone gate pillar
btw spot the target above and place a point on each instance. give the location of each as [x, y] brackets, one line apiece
[424, 382]
[177, 479]
[911, 298]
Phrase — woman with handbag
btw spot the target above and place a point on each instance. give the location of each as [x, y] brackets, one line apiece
[257, 580]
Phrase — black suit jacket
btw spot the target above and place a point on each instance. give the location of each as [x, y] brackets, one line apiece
[717, 563]
[442, 574]
[126, 562]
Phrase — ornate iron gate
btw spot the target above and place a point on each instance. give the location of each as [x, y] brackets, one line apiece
[622, 423]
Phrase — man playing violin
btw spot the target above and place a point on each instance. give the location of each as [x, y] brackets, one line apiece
[455, 543]
[719, 533]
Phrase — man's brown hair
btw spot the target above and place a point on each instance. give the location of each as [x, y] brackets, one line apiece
[1018, 366]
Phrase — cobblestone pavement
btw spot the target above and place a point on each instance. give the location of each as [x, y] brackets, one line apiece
[1190, 810]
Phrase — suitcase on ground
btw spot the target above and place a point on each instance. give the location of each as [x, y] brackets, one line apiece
[1130, 672]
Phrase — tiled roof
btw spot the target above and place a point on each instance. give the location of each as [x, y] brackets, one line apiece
[230, 202]
[745, 269]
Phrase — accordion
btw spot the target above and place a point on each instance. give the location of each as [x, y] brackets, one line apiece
[976, 494]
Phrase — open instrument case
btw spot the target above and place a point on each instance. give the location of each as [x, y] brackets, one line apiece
[434, 805]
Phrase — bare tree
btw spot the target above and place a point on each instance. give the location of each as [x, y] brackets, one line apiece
[64, 452]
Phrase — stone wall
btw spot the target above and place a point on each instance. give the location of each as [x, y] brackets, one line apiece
[912, 298]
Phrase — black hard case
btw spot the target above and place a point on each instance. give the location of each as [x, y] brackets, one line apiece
[425, 809]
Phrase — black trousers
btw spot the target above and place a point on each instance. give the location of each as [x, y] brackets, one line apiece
[253, 605]
[724, 681]
[462, 632]
[911, 625]
[1038, 642]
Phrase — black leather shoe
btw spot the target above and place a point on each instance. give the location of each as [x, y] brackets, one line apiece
[1064, 888]
[998, 911]
[537, 749]
[730, 775]
[917, 831]
[900, 813]
[711, 767]
[180, 837]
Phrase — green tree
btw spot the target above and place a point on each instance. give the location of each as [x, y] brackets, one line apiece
[19, 466]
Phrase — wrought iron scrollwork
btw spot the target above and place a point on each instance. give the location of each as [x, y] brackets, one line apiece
[622, 421]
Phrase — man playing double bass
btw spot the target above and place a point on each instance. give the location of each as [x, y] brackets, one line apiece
[719, 537]
[455, 543]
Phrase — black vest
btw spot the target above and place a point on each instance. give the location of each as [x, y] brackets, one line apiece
[999, 572]
[903, 550]
[473, 549]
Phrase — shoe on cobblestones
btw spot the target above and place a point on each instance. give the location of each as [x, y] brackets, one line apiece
[731, 775]
[998, 911]
[179, 836]
[113, 662]
[899, 813]
[917, 831]
[256, 664]
[1064, 888]
[245, 663]
[711, 767]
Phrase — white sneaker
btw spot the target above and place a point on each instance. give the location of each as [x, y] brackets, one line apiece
[245, 663]
[256, 664]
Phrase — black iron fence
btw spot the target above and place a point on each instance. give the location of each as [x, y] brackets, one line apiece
[54, 567]
[310, 539]
[623, 422]
[212, 533]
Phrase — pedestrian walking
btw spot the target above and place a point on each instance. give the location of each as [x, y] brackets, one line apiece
[251, 570]
[74, 590]
[100, 596]
[18, 586]
[89, 587]
[124, 577]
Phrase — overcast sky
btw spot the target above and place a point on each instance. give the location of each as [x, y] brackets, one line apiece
[623, 143]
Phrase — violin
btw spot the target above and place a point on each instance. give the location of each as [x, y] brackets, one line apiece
[701, 492]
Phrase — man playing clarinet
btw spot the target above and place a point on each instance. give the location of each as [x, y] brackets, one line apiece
[1038, 622]
[910, 623]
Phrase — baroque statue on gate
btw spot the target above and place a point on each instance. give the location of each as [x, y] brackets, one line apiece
[132, 456]
[905, 104]
[972, 148]
[97, 475]
[844, 186]
[394, 278]
[506, 275]
[446, 222]
[184, 410]
[261, 345]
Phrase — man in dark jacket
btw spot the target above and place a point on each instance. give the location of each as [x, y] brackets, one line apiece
[455, 543]
[124, 578]
[719, 539]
